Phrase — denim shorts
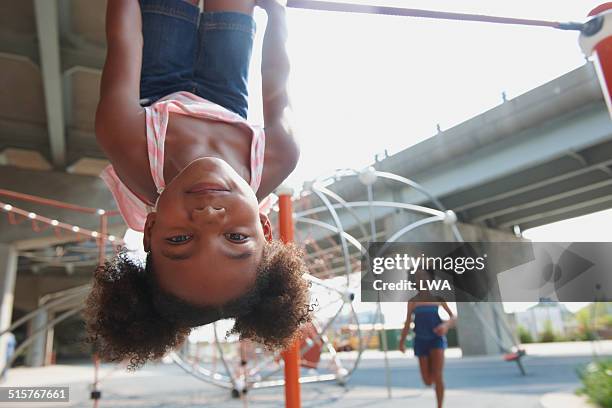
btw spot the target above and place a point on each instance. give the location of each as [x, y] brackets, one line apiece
[423, 345]
[207, 54]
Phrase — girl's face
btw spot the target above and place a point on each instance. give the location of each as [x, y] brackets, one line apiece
[207, 236]
[421, 275]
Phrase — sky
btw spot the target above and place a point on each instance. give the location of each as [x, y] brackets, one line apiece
[364, 84]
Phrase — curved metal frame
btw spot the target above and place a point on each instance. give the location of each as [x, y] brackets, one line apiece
[45, 306]
[336, 218]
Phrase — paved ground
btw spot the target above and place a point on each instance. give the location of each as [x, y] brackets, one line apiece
[476, 382]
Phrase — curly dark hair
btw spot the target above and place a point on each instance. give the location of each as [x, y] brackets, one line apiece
[128, 315]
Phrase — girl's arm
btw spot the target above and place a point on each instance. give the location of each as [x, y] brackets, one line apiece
[442, 328]
[283, 155]
[452, 319]
[119, 117]
[406, 328]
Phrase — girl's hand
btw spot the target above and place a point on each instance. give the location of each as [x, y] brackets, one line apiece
[402, 347]
[441, 329]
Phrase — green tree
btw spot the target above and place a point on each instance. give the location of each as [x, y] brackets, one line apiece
[596, 380]
[548, 334]
[587, 322]
[524, 335]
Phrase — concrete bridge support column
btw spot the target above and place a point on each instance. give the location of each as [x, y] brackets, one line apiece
[37, 351]
[482, 336]
[8, 273]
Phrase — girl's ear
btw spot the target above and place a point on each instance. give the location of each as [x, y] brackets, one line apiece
[146, 239]
[267, 227]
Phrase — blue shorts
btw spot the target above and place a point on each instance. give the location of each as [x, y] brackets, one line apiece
[423, 345]
[207, 54]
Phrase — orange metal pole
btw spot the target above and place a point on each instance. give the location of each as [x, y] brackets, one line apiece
[102, 239]
[292, 354]
[24, 215]
[52, 203]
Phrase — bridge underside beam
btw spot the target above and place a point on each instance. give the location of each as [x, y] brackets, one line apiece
[530, 178]
[47, 24]
[571, 166]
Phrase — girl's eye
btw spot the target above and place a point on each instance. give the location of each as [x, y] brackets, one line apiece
[236, 237]
[179, 239]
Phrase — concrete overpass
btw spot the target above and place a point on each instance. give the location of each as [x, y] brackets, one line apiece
[542, 157]
[51, 54]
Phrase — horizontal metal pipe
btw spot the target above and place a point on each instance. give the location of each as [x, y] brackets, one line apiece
[439, 15]
[53, 203]
[38, 333]
[46, 306]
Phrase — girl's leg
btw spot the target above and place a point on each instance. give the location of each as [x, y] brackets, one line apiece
[226, 35]
[169, 29]
[436, 356]
[424, 365]
[239, 6]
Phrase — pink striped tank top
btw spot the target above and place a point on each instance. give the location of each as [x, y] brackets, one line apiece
[133, 209]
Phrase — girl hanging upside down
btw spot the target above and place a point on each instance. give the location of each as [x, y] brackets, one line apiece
[189, 171]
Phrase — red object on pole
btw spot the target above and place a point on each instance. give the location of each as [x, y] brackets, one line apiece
[292, 354]
[602, 53]
[600, 9]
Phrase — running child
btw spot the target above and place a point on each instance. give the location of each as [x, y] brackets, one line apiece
[190, 172]
[429, 335]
